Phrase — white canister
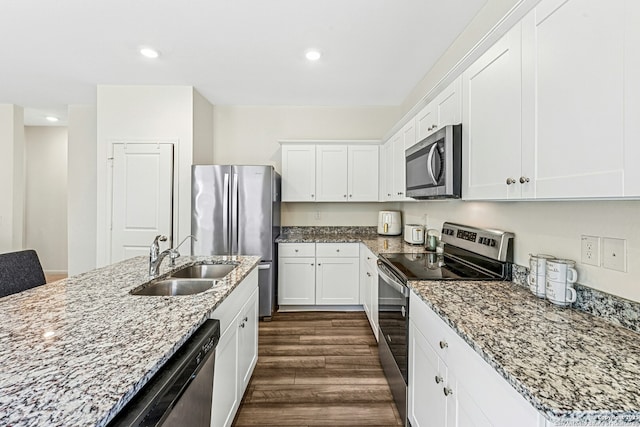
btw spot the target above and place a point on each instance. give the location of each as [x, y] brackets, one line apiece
[561, 275]
[537, 273]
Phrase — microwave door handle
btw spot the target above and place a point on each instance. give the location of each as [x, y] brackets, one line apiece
[430, 162]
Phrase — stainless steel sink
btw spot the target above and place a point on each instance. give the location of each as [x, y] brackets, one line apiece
[205, 271]
[174, 286]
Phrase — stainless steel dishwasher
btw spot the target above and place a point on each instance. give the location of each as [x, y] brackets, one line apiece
[181, 392]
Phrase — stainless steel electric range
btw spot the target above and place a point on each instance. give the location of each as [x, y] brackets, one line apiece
[469, 254]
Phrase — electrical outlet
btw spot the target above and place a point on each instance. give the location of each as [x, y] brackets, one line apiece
[614, 254]
[590, 250]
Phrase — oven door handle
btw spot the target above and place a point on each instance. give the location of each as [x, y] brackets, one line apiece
[404, 290]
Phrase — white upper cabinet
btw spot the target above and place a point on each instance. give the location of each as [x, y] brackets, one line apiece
[573, 98]
[491, 122]
[298, 173]
[386, 171]
[362, 173]
[394, 164]
[331, 173]
[445, 109]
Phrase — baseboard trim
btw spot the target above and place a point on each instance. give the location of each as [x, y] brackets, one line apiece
[290, 308]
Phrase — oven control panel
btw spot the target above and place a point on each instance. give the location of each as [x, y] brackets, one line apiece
[496, 244]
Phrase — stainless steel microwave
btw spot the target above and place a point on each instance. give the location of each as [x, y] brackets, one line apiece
[434, 165]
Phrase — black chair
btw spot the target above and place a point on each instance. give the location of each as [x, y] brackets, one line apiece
[20, 271]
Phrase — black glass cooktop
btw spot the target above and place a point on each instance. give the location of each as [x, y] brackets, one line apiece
[431, 266]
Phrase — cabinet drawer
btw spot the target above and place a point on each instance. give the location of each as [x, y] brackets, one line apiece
[297, 249]
[369, 257]
[438, 334]
[339, 250]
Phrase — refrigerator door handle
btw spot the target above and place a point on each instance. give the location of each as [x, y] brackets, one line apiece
[234, 216]
[225, 210]
[264, 266]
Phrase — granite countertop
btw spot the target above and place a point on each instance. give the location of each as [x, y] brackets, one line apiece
[74, 352]
[573, 367]
[378, 244]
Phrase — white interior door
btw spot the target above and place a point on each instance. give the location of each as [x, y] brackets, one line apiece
[142, 194]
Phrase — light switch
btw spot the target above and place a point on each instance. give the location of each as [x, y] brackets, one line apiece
[614, 254]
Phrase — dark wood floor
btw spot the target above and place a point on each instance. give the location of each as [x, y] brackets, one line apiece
[317, 369]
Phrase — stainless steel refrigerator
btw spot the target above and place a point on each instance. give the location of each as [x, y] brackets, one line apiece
[235, 210]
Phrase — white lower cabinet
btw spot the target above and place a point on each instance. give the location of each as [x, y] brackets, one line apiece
[369, 286]
[237, 350]
[318, 274]
[451, 385]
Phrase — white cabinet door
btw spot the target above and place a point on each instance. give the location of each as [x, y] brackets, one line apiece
[331, 173]
[491, 118]
[248, 340]
[462, 409]
[226, 386]
[337, 281]
[386, 171]
[632, 99]
[573, 144]
[448, 105]
[427, 404]
[298, 173]
[402, 140]
[425, 121]
[369, 288]
[445, 109]
[362, 173]
[296, 281]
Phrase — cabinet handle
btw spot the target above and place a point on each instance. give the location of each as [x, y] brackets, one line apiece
[245, 319]
[312, 195]
[388, 194]
[368, 274]
[296, 250]
[337, 250]
[524, 180]
[350, 195]
[438, 379]
[319, 264]
[345, 196]
[435, 126]
[242, 325]
[447, 391]
[443, 344]
[510, 181]
[311, 264]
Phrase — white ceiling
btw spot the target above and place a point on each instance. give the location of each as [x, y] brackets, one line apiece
[246, 52]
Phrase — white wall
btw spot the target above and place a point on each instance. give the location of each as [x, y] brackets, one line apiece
[250, 135]
[554, 228]
[12, 178]
[46, 195]
[81, 172]
[202, 130]
[147, 114]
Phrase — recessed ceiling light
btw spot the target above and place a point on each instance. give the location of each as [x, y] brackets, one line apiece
[52, 119]
[149, 53]
[313, 55]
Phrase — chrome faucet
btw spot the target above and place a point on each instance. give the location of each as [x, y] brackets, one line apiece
[156, 257]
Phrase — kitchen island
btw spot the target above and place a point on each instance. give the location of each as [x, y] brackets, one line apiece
[74, 352]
